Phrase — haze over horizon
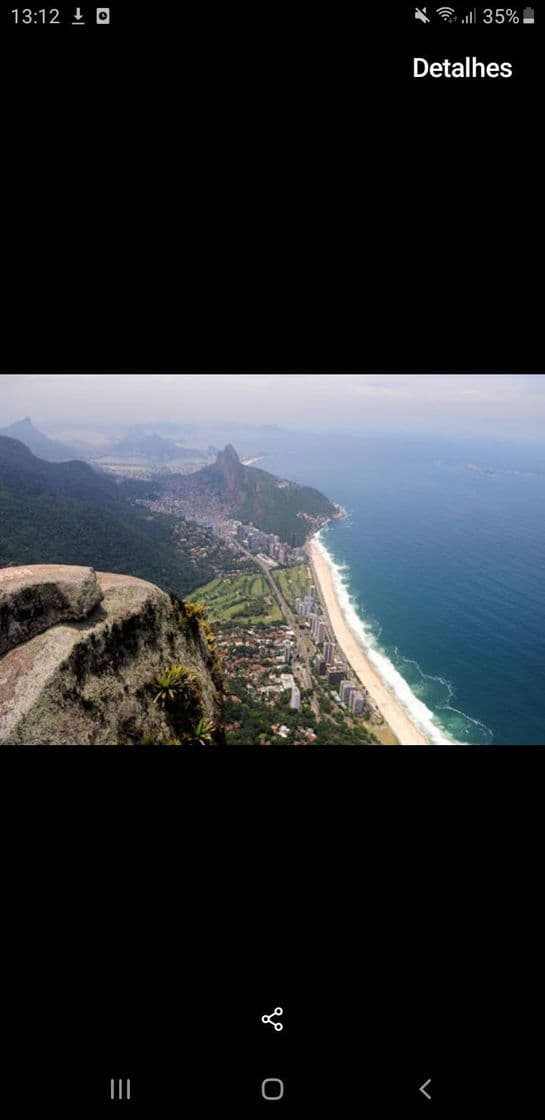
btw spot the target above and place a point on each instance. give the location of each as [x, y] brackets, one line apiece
[485, 405]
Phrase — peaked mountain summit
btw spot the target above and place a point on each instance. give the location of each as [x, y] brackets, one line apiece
[230, 467]
[228, 489]
[52, 450]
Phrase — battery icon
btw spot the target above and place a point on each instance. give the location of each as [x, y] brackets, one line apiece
[528, 16]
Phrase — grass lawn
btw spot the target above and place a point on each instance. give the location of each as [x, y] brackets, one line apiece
[294, 583]
[245, 599]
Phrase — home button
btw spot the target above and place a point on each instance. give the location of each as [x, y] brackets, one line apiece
[272, 1089]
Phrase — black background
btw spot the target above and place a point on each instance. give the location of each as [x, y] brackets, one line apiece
[262, 184]
[157, 904]
[269, 179]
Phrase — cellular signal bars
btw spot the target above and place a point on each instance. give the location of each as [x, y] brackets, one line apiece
[471, 17]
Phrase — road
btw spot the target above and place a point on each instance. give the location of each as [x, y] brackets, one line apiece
[305, 648]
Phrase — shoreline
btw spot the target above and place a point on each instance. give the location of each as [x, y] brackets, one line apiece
[394, 715]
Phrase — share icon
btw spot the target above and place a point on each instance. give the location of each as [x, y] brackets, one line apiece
[269, 1019]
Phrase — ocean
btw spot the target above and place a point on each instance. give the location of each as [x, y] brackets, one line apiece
[440, 567]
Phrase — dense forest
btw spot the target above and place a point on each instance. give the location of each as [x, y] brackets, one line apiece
[290, 511]
[68, 513]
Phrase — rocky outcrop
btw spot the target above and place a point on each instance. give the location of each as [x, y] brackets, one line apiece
[228, 490]
[231, 468]
[34, 599]
[82, 654]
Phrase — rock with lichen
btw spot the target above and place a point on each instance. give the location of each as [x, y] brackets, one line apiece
[80, 655]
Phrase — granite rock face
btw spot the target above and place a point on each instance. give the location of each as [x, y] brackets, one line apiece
[230, 466]
[81, 655]
[35, 598]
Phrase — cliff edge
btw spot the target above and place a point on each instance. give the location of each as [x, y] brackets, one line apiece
[92, 658]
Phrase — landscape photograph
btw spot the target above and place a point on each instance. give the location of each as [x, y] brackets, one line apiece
[277, 560]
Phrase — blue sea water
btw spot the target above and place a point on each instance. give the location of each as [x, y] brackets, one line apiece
[441, 569]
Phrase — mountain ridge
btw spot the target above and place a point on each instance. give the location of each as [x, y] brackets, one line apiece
[248, 494]
[150, 445]
[68, 513]
[51, 450]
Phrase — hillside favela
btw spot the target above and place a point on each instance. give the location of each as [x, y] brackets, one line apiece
[271, 560]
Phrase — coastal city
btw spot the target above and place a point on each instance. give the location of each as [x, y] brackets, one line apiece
[238, 547]
[267, 547]
[287, 619]
[286, 678]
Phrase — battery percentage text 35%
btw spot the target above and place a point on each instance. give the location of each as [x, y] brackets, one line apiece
[500, 15]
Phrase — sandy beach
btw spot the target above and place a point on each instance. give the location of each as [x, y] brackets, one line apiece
[394, 714]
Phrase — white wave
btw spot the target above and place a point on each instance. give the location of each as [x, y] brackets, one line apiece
[448, 707]
[429, 677]
[476, 722]
[422, 717]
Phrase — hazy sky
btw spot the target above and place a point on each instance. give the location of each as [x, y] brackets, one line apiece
[474, 404]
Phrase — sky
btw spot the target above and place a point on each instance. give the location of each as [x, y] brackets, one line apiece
[476, 404]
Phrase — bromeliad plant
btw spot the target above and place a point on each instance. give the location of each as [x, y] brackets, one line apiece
[175, 686]
[179, 694]
[194, 610]
[204, 732]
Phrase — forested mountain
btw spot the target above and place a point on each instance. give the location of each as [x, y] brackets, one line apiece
[51, 450]
[250, 495]
[68, 513]
[74, 479]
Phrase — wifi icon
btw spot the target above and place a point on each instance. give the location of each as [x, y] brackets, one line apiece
[446, 13]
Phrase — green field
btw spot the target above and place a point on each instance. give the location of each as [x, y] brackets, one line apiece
[245, 600]
[294, 583]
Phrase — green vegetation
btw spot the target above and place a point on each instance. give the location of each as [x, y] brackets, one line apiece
[174, 686]
[294, 583]
[178, 693]
[67, 513]
[292, 512]
[250, 495]
[245, 599]
[256, 718]
[203, 733]
[334, 734]
[250, 721]
[195, 610]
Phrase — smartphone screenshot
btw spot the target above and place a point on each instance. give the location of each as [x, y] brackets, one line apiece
[271, 639]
